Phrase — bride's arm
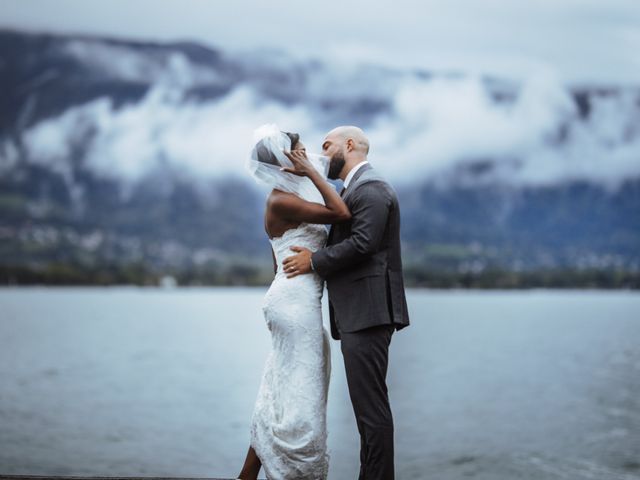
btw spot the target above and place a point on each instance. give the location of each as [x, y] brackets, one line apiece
[292, 207]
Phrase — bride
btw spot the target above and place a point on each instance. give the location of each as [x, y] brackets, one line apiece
[288, 425]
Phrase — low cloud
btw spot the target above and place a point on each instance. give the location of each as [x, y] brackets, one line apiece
[433, 126]
[204, 138]
[539, 138]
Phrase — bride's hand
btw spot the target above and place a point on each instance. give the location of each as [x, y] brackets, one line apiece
[302, 165]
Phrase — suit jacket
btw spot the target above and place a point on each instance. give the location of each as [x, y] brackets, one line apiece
[361, 261]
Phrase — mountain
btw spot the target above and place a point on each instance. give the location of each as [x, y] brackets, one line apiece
[116, 153]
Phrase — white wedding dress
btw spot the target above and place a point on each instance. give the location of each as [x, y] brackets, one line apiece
[288, 426]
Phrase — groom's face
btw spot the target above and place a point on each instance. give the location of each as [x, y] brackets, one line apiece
[336, 165]
[334, 152]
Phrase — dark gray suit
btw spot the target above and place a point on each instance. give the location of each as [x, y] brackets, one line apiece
[362, 266]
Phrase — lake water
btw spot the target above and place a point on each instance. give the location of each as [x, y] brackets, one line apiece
[131, 381]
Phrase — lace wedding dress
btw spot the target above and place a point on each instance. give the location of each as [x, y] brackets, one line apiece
[288, 426]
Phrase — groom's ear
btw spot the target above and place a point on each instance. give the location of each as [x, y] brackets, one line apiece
[350, 144]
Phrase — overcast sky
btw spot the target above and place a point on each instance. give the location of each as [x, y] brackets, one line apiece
[583, 41]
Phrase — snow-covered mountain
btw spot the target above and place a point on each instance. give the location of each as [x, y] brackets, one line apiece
[126, 150]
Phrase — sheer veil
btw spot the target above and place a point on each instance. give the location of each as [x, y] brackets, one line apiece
[266, 159]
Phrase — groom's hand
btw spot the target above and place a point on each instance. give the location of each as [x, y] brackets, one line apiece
[298, 264]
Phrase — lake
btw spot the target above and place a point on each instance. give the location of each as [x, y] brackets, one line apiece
[495, 385]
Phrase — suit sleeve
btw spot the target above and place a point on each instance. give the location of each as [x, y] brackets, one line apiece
[369, 214]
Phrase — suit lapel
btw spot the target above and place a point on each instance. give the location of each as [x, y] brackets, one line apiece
[344, 193]
[354, 180]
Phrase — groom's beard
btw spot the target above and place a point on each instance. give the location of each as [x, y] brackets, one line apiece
[335, 166]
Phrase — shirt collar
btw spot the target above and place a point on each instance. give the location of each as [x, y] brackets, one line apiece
[353, 171]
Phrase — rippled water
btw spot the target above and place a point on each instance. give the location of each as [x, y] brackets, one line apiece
[485, 385]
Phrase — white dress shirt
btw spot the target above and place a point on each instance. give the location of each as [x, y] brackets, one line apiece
[353, 171]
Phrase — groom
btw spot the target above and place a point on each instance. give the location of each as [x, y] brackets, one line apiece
[362, 267]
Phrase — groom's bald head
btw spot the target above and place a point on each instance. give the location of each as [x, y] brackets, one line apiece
[346, 146]
[353, 133]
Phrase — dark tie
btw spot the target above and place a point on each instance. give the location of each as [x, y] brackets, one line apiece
[342, 191]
